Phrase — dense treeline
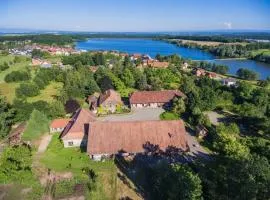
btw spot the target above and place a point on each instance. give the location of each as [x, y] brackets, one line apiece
[48, 39]
[237, 51]
[84, 59]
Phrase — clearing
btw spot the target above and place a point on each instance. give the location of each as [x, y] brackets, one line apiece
[48, 93]
[14, 67]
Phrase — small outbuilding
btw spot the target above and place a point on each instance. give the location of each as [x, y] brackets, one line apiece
[58, 125]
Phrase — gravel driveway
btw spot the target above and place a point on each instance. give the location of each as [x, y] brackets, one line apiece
[140, 114]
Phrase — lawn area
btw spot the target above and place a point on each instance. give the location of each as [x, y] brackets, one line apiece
[62, 159]
[8, 90]
[14, 67]
[259, 51]
[48, 94]
[168, 116]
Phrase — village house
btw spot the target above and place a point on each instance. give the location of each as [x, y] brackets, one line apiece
[76, 131]
[153, 99]
[109, 100]
[229, 82]
[130, 137]
[58, 125]
[185, 66]
[135, 56]
[157, 64]
[41, 63]
[199, 72]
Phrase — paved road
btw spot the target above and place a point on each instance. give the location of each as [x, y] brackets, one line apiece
[140, 114]
[45, 141]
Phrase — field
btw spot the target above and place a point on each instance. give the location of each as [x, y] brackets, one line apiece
[260, 51]
[13, 67]
[8, 90]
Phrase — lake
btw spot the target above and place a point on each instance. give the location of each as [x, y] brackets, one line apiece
[153, 47]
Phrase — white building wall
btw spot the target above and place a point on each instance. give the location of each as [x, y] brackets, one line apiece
[74, 142]
[54, 130]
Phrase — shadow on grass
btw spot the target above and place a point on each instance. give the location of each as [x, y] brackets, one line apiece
[136, 168]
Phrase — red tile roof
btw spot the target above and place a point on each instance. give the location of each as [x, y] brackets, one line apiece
[76, 126]
[158, 64]
[164, 96]
[112, 137]
[59, 123]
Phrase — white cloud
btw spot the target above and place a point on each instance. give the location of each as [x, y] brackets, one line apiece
[228, 25]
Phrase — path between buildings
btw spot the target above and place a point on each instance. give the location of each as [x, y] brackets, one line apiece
[45, 141]
[140, 114]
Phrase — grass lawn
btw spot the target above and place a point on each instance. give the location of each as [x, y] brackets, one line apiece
[259, 51]
[168, 116]
[48, 94]
[8, 90]
[62, 159]
[14, 67]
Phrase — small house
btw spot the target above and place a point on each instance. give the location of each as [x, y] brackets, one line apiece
[58, 125]
[229, 82]
[109, 100]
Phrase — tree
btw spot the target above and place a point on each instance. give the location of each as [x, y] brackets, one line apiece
[7, 115]
[227, 142]
[57, 109]
[27, 90]
[128, 78]
[37, 125]
[178, 106]
[173, 182]
[127, 62]
[227, 178]
[184, 184]
[15, 163]
[142, 82]
[16, 76]
[247, 74]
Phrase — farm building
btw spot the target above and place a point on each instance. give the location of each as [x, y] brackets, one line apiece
[75, 133]
[58, 125]
[130, 137]
[153, 99]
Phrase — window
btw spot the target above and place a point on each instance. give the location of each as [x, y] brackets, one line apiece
[70, 143]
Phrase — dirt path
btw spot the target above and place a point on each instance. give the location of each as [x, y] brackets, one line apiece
[45, 141]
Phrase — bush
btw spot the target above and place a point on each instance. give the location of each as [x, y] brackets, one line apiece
[247, 74]
[4, 66]
[37, 125]
[168, 116]
[16, 76]
[27, 90]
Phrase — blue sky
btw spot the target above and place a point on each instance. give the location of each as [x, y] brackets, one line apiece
[135, 15]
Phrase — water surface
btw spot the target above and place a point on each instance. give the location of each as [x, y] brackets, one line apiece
[153, 47]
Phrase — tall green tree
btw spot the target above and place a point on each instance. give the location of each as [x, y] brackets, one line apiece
[7, 114]
[128, 78]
